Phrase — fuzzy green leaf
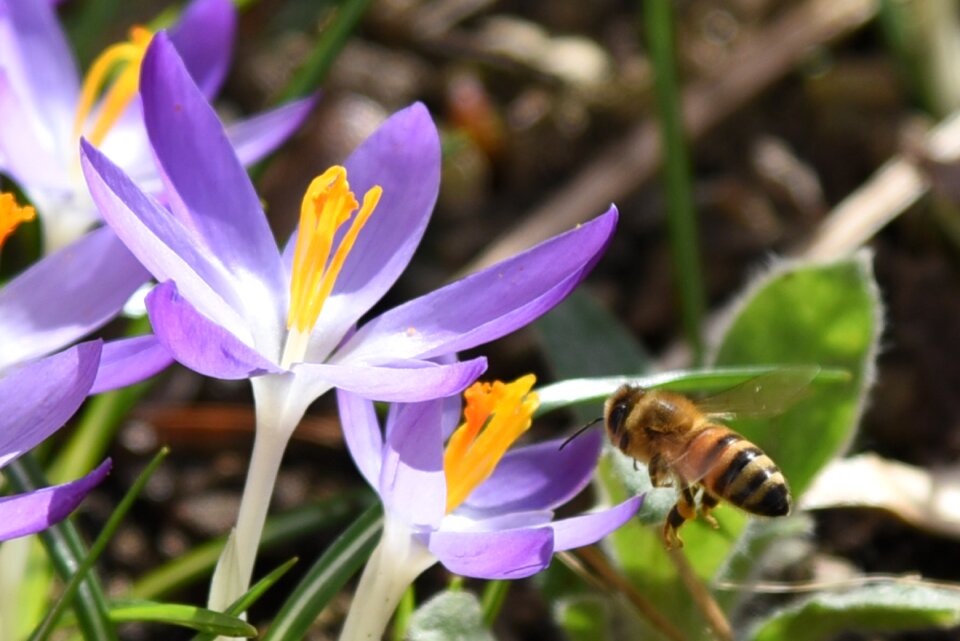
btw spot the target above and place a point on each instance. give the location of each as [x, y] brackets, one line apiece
[827, 314]
[883, 607]
[449, 616]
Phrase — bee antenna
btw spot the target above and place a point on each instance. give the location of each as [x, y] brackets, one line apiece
[580, 431]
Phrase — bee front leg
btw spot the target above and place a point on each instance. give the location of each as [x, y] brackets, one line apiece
[683, 510]
[659, 472]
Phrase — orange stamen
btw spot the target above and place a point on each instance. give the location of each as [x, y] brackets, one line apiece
[127, 56]
[11, 215]
[495, 416]
[327, 205]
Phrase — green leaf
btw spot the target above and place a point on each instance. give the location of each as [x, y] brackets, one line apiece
[185, 616]
[824, 313]
[327, 576]
[583, 390]
[449, 616]
[871, 608]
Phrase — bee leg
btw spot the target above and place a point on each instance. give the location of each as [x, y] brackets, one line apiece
[659, 472]
[684, 510]
[707, 503]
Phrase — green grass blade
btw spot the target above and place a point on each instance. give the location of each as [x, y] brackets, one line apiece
[681, 217]
[314, 71]
[252, 595]
[492, 600]
[327, 576]
[44, 630]
[401, 617]
[66, 551]
[181, 615]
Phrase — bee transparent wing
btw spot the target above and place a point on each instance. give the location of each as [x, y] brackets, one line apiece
[761, 396]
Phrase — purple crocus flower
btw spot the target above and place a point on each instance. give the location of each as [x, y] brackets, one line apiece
[231, 305]
[479, 508]
[43, 108]
[36, 399]
[69, 294]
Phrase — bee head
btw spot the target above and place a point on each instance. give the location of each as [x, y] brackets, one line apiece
[618, 406]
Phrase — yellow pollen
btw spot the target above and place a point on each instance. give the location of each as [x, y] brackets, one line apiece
[327, 205]
[124, 58]
[495, 416]
[11, 215]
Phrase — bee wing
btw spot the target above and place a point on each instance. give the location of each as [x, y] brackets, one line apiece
[765, 395]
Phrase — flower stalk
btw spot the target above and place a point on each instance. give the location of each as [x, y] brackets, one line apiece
[396, 561]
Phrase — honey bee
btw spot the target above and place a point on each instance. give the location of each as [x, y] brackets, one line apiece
[683, 446]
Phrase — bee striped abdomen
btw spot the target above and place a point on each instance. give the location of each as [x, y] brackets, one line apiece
[743, 475]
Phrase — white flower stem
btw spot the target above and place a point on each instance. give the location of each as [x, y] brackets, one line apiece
[397, 560]
[268, 448]
[231, 579]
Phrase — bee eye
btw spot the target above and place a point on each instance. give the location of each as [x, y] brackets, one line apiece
[617, 416]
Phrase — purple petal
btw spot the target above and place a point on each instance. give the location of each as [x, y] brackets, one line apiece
[254, 138]
[204, 39]
[361, 431]
[403, 157]
[207, 186]
[538, 477]
[28, 513]
[464, 520]
[452, 413]
[488, 304]
[199, 343]
[412, 482]
[404, 382]
[510, 554]
[36, 399]
[589, 528]
[130, 360]
[168, 249]
[26, 156]
[35, 52]
[66, 295]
